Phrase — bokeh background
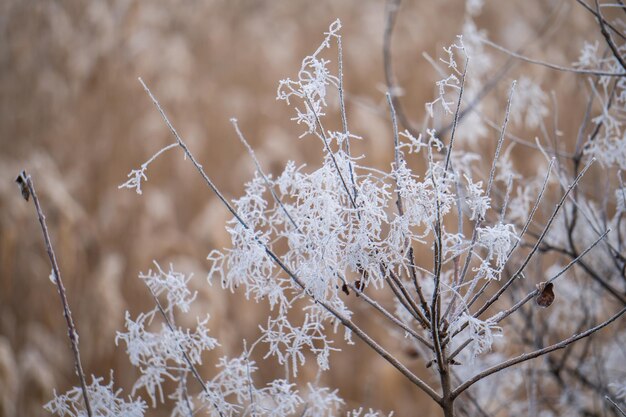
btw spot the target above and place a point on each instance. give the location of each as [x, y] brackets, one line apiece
[73, 114]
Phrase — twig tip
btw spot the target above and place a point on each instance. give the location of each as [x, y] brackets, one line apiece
[22, 182]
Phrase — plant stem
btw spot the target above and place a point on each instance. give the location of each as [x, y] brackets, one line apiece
[71, 329]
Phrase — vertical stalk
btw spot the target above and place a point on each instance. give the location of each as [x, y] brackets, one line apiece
[28, 189]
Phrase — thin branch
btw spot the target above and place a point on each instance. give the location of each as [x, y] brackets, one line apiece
[505, 123]
[520, 141]
[330, 152]
[504, 314]
[456, 115]
[396, 151]
[389, 316]
[608, 38]
[593, 12]
[617, 407]
[26, 182]
[583, 126]
[531, 355]
[539, 240]
[402, 296]
[344, 118]
[552, 66]
[392, 11]
[192, 367]
[479, 221]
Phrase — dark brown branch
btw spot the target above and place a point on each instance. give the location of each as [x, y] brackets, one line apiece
[26, 183]
[330, 152]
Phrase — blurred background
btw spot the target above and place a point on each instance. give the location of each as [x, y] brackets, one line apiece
[73, 114]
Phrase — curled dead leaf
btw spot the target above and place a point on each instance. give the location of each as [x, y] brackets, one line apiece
[546, 294]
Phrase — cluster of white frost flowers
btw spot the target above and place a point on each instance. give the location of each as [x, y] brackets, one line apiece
[105, 402]
[338, 224]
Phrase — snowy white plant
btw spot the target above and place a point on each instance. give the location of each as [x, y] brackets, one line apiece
[447, 243]
[105, 402]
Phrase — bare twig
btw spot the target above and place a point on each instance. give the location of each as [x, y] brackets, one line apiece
[26, 183]
[267, 181]
[593, 12]
[322, 136]
[536, 246]
[457, 112]
[608, 38]
[344, 118]
[392, 11]
[552, 66]
[192, 368]
[617, 407]
[390, 316]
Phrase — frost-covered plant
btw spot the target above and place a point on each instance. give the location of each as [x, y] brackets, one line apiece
[316, 242]
[105, 402]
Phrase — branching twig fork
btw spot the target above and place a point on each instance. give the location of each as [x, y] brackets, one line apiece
[599, 17]
[539, 240]
[505, 313]
[531, 355]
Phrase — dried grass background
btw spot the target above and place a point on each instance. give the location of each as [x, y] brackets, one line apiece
[73, 114]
